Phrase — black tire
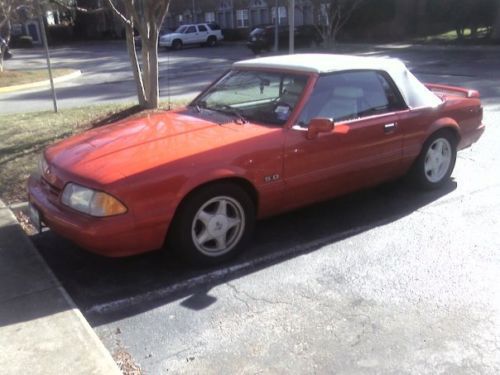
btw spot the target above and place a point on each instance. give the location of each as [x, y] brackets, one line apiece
[177, 44]
[211, 41]
[188, 226]
[433, 178]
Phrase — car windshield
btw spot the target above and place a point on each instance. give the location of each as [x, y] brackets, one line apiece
[264, 97]
[181, 29]
[257, 31]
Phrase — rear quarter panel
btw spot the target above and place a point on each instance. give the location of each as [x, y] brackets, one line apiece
[461, 115]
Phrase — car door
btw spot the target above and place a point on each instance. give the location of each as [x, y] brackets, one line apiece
[190, 35]
[202, 34]
[363, 149]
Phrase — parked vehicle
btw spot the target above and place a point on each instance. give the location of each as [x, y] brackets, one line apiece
[4, 47]
[273, 134]
[203, 33]
[262, 38]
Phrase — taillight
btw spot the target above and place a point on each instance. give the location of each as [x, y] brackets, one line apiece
[473, 94]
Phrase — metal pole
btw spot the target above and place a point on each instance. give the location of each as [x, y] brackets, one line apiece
[194, 13]
[276, 22]
[47, 55]
[291, 26]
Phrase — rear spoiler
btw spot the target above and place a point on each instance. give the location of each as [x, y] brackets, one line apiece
[444, 90]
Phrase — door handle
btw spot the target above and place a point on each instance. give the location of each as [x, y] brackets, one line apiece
[388, 128]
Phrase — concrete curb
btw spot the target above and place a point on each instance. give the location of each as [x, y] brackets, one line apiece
[41, 328]
[46, 82]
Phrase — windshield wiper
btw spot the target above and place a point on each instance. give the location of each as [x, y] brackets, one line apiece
[224, 108]
[196, 106]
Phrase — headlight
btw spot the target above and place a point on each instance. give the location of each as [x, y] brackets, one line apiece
[42, 165]
[91, 202]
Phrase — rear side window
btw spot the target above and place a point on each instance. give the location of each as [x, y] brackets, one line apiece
[214, 26]
[202, 28]
[351, 95]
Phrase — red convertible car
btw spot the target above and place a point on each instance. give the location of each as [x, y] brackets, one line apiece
[270, 135]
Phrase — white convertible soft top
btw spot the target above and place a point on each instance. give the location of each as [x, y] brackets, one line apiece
[414, 92]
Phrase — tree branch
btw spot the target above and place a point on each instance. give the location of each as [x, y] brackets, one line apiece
[119, 14]
[77, 8]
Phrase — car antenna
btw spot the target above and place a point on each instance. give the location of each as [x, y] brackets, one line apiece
[169, 104]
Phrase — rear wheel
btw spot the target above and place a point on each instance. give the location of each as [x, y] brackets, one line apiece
[211, 41]
[436, 161]
[213, 224]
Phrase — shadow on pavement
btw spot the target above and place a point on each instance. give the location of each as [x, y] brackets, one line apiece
[107, 290]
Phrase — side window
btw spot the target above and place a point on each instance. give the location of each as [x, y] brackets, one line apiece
[350, 95]
[191, 29]
[202, 28]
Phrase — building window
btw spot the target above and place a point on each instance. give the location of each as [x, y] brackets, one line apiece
[242, 18]
[281, 15]
[209, 17]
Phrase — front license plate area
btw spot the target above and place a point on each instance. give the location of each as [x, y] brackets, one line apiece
[34, 216]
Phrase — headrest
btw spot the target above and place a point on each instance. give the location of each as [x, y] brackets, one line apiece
[294, 88]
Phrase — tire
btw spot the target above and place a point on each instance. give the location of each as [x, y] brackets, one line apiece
[213, 224]
[177, 44]
[436, 161]
[211, 41]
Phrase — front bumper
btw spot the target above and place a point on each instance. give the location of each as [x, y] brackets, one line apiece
[163, 43]
[114, 236]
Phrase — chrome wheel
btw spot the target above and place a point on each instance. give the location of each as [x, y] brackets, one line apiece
[438, 160]
[218, 226]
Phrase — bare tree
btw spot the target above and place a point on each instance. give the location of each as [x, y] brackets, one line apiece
[332, 15]
[145, 16]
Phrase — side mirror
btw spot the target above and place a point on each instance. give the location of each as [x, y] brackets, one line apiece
[319, 125]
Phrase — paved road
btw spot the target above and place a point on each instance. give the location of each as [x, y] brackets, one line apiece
[107, 76]
[388, 280]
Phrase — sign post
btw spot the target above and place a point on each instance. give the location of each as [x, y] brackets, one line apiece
[45, 45]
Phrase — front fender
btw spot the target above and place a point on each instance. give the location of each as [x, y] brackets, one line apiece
[203, 178]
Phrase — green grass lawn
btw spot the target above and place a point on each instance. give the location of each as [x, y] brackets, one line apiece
[19, 77]
[23, 136]
[451, 37]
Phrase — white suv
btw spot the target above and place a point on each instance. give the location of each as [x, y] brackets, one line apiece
[202, 33]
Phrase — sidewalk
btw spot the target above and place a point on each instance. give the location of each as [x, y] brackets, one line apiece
[40, 84]
[41, 329]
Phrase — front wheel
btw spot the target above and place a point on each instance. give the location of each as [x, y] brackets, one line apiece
[177, 44]
[213, 224]
[435, 163]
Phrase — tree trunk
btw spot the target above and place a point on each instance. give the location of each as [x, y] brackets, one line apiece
[136, 70]
[150, 66]
[148, 19]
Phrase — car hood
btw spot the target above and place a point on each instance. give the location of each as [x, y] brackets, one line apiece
[104, 155]
[170, 36]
